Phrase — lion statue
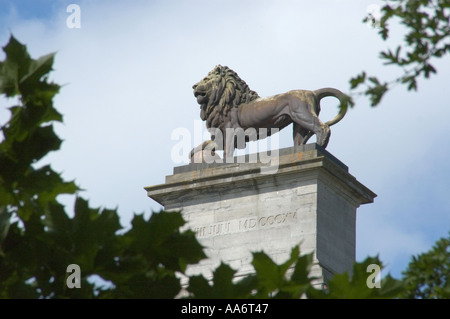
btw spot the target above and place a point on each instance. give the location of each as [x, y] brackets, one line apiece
[226, 102]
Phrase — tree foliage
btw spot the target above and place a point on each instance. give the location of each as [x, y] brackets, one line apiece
[427, 37]
[427, 275]
[39, 240]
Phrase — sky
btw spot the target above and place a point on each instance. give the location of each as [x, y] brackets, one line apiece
[127, 72]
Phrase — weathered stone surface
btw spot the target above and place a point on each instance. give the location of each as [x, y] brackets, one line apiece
[310, 200]
[232, 110]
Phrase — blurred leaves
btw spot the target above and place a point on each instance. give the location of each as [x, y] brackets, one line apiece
[151, 253]
[427, 275]
[293, 280]
[354, 286]
[221, 287]
[288, 280]
[38, 240]
[28, 136]
[427, 25]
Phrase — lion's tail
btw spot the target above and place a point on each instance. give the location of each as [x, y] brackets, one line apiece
[343, 99]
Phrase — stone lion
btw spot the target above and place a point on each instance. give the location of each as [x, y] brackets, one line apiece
[226, 102]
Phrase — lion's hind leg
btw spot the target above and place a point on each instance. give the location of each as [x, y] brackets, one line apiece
[305, 120]
[301, 135]
[326, 136]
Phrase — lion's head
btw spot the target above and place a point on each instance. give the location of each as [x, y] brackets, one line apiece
[221, 90]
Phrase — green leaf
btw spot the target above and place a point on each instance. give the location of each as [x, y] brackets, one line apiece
[199, 287]
[4, 224]
[288, 280]
[91, 228]
[223, 280]
[37, 69]
[47, 184]
[15, 66]
[295, 253]
[159, 240]
[374, 80]
[221, 287]
[302, 269]
[428, 69]
[267, 273]
[19, 73]
[359, 79]
[426, 35]
[343, 286]
[376, 92]
[427, 274]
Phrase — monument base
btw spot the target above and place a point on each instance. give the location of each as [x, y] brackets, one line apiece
[308, 199]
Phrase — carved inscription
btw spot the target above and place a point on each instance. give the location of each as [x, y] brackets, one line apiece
[261, 222]
[212, 229]
[244, 224]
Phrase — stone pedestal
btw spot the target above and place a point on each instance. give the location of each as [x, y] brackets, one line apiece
[309, 199]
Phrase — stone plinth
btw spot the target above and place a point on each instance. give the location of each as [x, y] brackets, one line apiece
[310, 199]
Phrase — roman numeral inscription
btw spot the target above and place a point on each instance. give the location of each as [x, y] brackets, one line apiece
[243, 224]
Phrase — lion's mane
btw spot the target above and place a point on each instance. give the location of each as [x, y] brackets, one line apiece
[226, 91]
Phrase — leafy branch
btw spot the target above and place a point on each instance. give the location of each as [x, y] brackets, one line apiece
[428, 36]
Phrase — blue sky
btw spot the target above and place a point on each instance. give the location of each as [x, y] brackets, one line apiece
[26, 9]
[128, 74]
